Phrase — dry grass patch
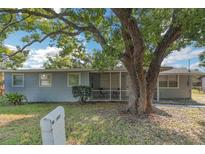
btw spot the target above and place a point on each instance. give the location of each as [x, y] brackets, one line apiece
[7, 118]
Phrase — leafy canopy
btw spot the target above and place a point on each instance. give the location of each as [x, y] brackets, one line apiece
[103, 27]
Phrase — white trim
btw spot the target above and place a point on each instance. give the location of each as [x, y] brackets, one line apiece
[110, 87]
[89, 79]
[60, 70]
[79, 81]
[101, 90]
[20, 86]
[157, 89]
[39, 79]
[168, 83]
[120, 85]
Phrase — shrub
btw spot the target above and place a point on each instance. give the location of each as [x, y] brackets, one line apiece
[83, 92]
[3, 100]
[15, 98]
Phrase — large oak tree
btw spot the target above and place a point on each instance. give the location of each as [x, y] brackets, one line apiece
[139, 38]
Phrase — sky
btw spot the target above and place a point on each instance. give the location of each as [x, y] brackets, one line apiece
[39, 52]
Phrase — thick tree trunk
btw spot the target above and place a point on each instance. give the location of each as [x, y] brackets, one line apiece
[133, 99]
[140, 91]
[132, 106]
[151, 85]
[141, 97]
[150, 94]
[138, 94]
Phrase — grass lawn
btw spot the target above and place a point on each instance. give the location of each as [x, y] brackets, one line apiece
[104, 123]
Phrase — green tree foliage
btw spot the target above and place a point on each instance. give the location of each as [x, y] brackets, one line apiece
[102, 26]
[8, 24]
[202, 59]
[73, 57]
[11, 62]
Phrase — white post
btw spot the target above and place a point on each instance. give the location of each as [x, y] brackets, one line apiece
[120, 86]
[53, 127]
[158, 89]
[110, 88]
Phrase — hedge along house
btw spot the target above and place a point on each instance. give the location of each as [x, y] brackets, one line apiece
[44, 85]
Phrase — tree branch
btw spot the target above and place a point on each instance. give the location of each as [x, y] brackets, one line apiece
[172, 34]
[134, 33]
[127, 56]
[131, 25]
[91, 28]
[52, 15]
[61, 31]
[10, 23]
[27, 11]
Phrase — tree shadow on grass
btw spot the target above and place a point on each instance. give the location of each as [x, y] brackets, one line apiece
[111, 127]
[201, 135]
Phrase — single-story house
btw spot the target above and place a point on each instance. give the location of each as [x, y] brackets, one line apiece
[203, 83]
[55, 85]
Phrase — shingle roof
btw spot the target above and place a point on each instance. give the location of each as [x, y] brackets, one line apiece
[182, 71]
[61, 70]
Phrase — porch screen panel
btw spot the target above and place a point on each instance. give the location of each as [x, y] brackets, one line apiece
[95, 81]
[124, 86]
[105, 81]
[115, 81]
[115, 86]
[100, 84]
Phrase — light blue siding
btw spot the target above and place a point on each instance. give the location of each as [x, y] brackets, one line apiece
[58, 92]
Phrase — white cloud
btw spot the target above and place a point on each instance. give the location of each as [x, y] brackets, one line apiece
[184, 54]
[11, 47]
[36, 58]
[196, 66]
[57, 10]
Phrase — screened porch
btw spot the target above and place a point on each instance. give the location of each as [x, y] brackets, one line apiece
[109, 86]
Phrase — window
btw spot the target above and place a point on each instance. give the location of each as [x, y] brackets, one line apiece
[45, 80]
[168, 81]
[163, 81]
[73, 79]
[173, 81]
[18, 80]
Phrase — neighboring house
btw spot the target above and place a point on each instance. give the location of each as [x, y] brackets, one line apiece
[203, 83]
[44, 85]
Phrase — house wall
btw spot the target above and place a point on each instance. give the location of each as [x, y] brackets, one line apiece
[184, 90]
[203, 83]
[58, 92]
